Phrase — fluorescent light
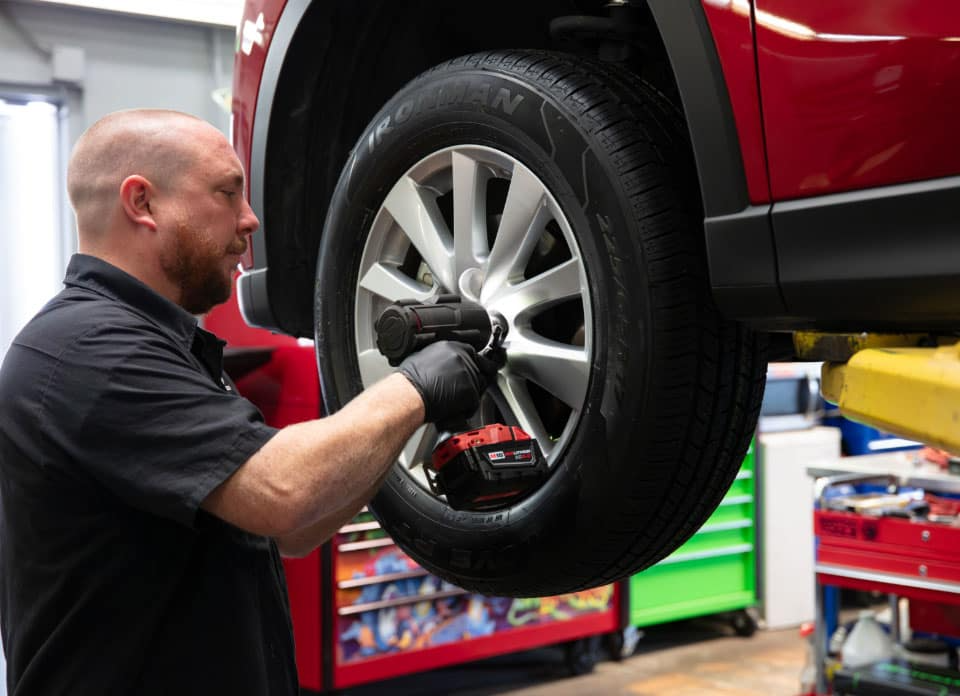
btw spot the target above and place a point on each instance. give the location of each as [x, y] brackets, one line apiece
[220, 12]
[41, 106]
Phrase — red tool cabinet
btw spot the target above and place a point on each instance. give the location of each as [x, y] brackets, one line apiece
[385, 616]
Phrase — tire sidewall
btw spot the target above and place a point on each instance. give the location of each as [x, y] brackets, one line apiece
[469, 106]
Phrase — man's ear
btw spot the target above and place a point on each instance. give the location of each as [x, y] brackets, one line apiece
[136, 193]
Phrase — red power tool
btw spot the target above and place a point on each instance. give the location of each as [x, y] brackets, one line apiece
[476, 469]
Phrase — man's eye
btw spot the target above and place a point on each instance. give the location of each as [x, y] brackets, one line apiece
[229, 193]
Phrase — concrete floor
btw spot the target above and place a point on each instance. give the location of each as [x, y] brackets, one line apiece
[700, 657]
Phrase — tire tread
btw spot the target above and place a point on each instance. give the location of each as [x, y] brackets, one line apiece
[637, 124]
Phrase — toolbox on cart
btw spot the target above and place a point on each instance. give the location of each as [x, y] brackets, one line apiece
[886, 530]
[915, 548]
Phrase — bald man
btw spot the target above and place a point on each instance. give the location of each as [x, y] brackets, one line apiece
[143, 503]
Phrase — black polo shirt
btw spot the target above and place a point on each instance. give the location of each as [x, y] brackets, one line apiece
[115, 424]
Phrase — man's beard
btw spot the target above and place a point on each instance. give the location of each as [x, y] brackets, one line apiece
[197, 267]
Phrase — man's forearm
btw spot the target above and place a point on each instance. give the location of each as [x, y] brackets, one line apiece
[303, 541]
[316, 473]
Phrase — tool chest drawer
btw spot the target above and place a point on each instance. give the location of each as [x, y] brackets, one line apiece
[675, 590]
[888, 544]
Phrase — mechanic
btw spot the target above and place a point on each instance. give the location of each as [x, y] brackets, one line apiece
[145, 503]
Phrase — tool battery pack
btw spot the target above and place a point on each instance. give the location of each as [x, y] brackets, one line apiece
[487, 468]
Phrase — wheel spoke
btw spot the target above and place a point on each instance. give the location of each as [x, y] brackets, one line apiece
[419, 446]
[469, 210]
[415, 210]
[515, 394]
[562, 370]
[388, 282]
[373, 366]
[532, 296]
[524, 215]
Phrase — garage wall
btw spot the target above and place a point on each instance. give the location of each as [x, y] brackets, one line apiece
[129, 61]
[91, 63]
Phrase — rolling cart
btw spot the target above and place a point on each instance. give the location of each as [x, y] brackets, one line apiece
[903, 558]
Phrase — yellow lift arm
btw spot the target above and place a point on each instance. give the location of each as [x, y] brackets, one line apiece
[885, 382]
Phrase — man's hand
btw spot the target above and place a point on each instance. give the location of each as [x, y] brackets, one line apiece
[450, 378]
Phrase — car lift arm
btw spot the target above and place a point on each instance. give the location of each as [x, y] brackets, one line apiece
[886, 381]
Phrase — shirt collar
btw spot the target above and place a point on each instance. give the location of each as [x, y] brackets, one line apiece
[95, 274]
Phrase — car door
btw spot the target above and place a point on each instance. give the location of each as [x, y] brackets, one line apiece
[860, 103]
[858, 93]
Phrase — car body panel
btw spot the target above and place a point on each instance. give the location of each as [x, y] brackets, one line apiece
[254, 38]
[884, 258]
[858, 94]
[838, 108]
[731, 25]
[710, 118]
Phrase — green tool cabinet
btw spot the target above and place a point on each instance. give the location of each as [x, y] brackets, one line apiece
[714, 571]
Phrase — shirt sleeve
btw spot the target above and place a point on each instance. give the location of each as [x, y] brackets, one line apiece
[147, 423]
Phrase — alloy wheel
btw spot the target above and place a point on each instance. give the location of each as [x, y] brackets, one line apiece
[474, 221]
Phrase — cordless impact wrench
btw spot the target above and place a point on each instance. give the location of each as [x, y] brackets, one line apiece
[476, 469]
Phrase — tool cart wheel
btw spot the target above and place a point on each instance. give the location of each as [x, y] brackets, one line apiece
[623, 643]
[561, 193]
[744, 623]
[582, 655]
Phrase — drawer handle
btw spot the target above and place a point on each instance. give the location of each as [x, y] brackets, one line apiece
[736, 500]
[377, 579]
[713, 553]
[398, 601]
[888, 578]
[359, 527]
[725, 526]
[366, 544]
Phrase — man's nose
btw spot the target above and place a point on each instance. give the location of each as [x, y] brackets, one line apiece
[248, 222]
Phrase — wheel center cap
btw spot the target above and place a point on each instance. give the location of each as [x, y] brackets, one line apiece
[470, 284]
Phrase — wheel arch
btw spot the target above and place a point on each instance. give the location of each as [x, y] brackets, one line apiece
[318, 92]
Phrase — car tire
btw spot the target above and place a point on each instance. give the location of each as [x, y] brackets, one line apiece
[651, 404]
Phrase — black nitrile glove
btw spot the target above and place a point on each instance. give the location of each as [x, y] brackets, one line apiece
[492, 359]
[450, 378]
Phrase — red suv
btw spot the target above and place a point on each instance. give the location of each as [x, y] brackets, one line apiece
[646, 191]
